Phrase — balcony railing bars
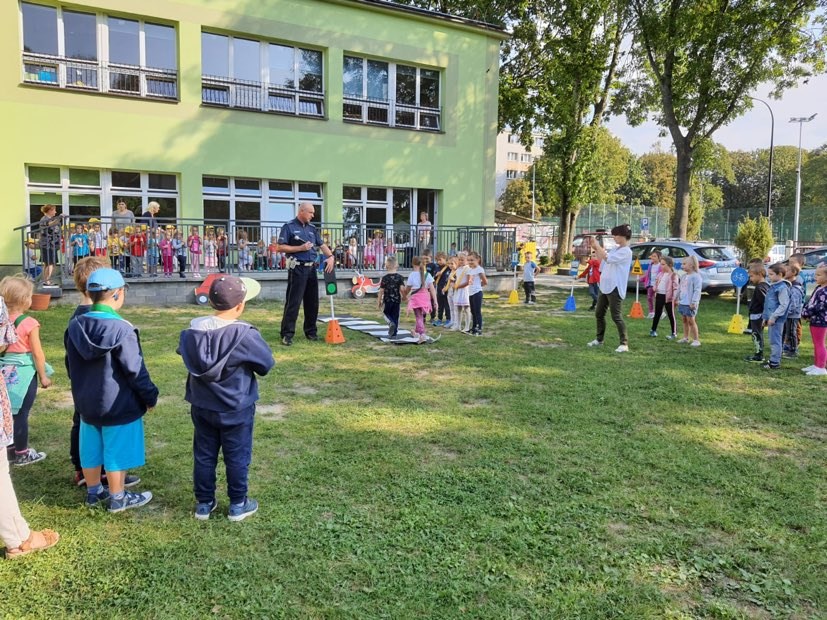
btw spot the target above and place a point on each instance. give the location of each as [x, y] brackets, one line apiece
[260, 96]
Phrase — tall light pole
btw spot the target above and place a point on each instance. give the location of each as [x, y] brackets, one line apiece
[533, 178]
[769, 176]
[800, 120]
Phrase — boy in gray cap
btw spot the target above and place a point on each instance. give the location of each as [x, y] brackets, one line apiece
[223, 356]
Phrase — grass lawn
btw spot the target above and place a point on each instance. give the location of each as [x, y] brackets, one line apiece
[517, 475]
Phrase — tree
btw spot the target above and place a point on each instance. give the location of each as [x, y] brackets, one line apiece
[516, 198]
[754, 238]
[698, 59]
[659, 169]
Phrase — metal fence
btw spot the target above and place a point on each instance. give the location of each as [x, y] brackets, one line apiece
[207, 246]
[721, 225]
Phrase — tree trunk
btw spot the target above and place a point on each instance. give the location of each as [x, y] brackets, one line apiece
[683, 180]
[564, 238]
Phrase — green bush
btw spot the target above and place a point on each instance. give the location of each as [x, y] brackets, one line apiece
[754, 238]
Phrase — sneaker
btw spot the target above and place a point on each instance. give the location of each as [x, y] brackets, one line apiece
[595, 343]
[790, 354]
[392, 331]
[653, 334]
[93, 500]
[747, 332]
[771, 366]
[651, 315]
[817, 372]
[531, 303]
[683, 340]
[671, 336]
[78, 479]
[448, 324]
[28, 457]
[807, 368]
[130, 481]
[129, 500]
[287, 341]
[754, 358]
[695, 343]
[622, 349]
[203, 509]
[436, 323]
[239, 512]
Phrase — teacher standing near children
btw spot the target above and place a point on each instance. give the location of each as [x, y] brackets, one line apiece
[614, 277]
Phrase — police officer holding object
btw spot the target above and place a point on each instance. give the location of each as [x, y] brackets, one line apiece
[298, 239]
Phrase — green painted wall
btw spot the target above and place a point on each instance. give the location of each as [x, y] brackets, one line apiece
[52, 127]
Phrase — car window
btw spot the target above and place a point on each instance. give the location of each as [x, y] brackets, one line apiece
[674, 252]
[815, 258]
[713, 253]
[640, 252]
[678, 253]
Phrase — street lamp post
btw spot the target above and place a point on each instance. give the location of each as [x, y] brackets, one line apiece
[800, 120]
[772, 137]
[533, 178]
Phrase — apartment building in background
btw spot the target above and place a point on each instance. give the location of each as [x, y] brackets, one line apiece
[239, 110]
[513, 159]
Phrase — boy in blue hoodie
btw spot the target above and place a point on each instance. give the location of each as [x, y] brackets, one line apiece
[223, 356]
[776, 307]
[112, 391]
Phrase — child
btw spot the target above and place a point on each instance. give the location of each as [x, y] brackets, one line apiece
[390, 294]
[352, 258]
[273, 255]
[378, 243]
[461, 303]
[800, 261]
[126, 256]
[476, 275]
[440, 282]
[758, 278]
[448, 290]
[194, 246]
[137, 249]
[80, 244]
[222, 245]
[649, 281]
[816, 313]
[167, 252]
[431, 267]
[419, 288]
[113, 246]
[369, 256]
[223, 356]
[452, 252]
[30, 266]
[530, 270]
[104, 350]
[592, 276]
[689, 298]
[792, 326]
[14, 531]
[153, 252]
[261, 255]
[210, 248]
[179, 248]
[666, 291]
[776, 306]
[97, 240]
[244, 259]
[23, 364]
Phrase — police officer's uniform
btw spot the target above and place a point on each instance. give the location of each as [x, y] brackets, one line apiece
[302, 285]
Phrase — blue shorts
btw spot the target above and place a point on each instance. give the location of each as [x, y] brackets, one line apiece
[685, 310]
[117, 448]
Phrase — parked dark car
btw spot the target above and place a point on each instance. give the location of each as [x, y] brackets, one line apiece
[812, 259]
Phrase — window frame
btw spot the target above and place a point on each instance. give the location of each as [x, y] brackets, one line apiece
[364, 110]
[75, 74]
[233, 197]
[263, 90]
[401, 234]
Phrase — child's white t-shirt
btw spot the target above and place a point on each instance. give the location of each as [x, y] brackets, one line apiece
[414, 280]
[475, 286]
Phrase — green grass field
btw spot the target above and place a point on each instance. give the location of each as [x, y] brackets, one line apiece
[517, 475]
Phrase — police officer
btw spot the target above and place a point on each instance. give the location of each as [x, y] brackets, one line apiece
[298, 239]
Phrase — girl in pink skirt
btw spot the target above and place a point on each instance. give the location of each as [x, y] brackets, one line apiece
[421, 294]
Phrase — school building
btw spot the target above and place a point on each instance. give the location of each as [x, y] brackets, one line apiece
[242, 109]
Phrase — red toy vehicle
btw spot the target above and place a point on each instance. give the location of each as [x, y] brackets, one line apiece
[362, 285]
[202, 291]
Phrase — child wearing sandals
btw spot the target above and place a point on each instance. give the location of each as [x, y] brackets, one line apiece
[15, 533]
[223, 356]
[421, 295]
[23, 364]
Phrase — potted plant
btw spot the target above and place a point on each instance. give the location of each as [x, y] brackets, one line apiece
[564, 267]
[544, 264]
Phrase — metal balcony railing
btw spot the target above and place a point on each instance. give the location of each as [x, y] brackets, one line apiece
[259, 96]
[391, 114]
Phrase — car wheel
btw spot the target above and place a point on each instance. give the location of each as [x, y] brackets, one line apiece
[201, 299]
[715, 292]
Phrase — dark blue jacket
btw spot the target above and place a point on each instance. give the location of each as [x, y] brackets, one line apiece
[110, 383]
[222, 363]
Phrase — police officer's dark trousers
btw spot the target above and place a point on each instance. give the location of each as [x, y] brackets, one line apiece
[302, 288]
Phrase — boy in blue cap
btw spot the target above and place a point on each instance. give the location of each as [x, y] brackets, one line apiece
[223, 356]
[103, 350]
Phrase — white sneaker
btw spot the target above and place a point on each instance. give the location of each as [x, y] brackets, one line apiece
[683, 340]
[695, 343]
[595, 343]
[807, 369]
[622, 349]
[651, 315]
[817, 372]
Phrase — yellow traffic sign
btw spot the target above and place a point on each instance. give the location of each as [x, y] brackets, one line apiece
[637, 270]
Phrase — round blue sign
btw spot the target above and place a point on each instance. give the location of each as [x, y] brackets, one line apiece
[740, 277]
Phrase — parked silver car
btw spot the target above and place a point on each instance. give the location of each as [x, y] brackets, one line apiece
[715, 262]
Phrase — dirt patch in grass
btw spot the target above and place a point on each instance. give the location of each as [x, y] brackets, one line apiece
[62, 400]
[555, 344]
[443, 453]
[480, 402]
[273, 413]
[303, 390]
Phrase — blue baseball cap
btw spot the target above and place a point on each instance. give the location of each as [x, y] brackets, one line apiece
[104, 280]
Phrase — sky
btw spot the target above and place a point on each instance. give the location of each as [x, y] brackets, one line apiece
[752, 130]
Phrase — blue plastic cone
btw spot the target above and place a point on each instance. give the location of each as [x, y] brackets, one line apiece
[570, 305]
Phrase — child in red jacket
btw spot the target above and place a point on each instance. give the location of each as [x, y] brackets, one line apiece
[592, 276]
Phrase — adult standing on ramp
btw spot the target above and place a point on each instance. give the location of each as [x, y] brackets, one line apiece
[298, 239]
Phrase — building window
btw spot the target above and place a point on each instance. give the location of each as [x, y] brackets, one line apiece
[378, 92]
[538, 142]
[263, 201]
[262, 76]
[512, 156]
[390, 209]
[525, 158]
[91, 52]
[510, 174]
[82, 193]
[513, 138]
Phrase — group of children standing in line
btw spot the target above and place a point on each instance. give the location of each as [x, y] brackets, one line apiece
[449, 290]
[666, 291]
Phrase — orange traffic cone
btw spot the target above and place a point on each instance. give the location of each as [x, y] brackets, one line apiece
[334, 333]
[637, 311]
